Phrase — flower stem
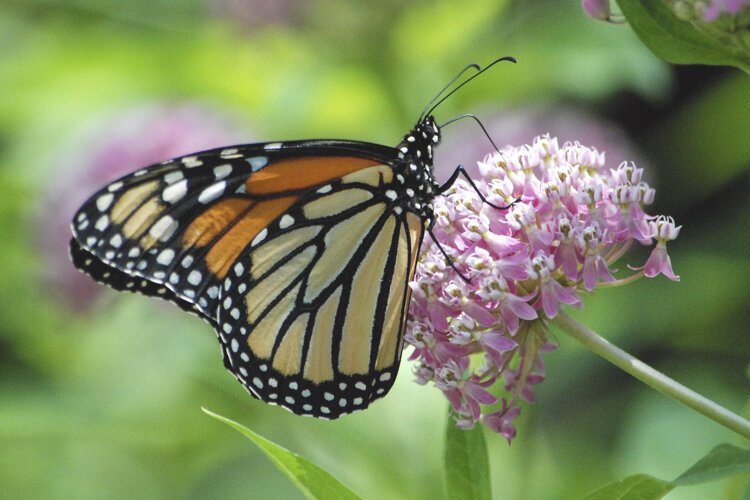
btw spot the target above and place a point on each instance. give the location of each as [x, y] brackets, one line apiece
[651, 377]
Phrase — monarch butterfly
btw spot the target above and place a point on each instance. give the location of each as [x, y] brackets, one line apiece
[298, 254]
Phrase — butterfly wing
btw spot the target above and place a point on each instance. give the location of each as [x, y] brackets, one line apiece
[292, 251]
[313, 313]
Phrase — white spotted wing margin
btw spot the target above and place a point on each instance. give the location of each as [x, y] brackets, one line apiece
[312, 315]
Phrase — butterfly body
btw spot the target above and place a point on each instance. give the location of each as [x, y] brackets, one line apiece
[297, 253]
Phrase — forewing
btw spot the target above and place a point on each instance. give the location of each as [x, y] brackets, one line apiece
[174, 229]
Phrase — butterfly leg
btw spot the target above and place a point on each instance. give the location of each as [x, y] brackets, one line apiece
[460, 170]
[445, 254]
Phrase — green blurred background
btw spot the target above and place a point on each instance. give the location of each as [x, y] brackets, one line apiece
[100, 393]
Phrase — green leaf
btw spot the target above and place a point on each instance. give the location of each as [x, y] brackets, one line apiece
[724, 460]
[678, 41]
[467, 471]
[313, 481]
[638, 487]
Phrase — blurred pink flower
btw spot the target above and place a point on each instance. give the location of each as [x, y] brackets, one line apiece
[113, 147]
[715, 8]
[596, 9]
[571, 218]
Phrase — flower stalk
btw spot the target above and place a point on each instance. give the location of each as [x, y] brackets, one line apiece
[650, 376]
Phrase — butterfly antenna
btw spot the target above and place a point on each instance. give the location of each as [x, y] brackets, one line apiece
[479, 122]
[429, 112]
[437, 96]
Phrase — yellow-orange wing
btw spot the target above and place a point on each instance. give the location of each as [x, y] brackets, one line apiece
[298, 254]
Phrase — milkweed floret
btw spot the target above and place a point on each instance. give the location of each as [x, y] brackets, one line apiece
[480, 342]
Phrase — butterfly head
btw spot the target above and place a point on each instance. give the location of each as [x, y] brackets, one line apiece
[418, 145]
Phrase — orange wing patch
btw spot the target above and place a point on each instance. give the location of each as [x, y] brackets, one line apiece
[221, 256]
[301, 173]
[210, 223]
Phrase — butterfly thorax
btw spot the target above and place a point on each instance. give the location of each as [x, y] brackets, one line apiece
[414, 168]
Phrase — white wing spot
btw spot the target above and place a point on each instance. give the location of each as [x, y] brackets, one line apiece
[361, 386]
[104, 201]
[235, 313]
[391, 194]
[384, 377]
[324, 189]
[192, 161]
[258, 383]
[273, 145]
[212, 192]
[175, 192]
[328, 396]
[213, 292]
[222, 171]
[116, 241]
[286, 221]
[165, 257]
[305, 393]
[172, 177]
[257, 162]
[115, 186]
[102, 223]
[194, 278]
[235, 346]
[259, 237]
[239, 269]
[273, 382]
[134, 252]
[187, 261]
[164, 228]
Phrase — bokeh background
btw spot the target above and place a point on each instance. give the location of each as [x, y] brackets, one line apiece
[100, 393]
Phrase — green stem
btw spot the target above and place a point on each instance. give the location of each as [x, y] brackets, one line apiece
[651, 377]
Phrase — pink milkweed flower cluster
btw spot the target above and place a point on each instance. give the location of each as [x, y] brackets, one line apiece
[571, 218]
